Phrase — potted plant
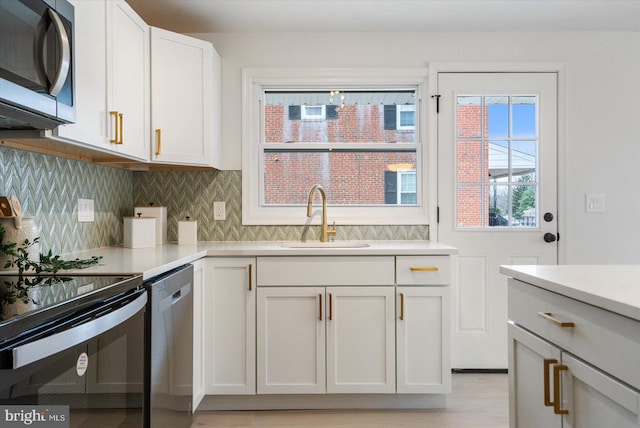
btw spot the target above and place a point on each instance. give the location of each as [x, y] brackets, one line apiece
[30, 274]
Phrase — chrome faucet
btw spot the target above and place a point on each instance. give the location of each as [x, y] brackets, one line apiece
[326, 232]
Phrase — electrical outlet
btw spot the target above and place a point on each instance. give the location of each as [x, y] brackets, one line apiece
[86, 210]
[219, 212]
[594, 203]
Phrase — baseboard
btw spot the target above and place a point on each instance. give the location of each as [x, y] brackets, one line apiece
[323, 401]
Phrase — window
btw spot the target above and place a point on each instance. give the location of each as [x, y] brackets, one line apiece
[348, 134]
[406, 117]
[313, 113]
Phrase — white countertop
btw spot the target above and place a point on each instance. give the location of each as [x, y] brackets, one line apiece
[612, 287]
[153, 261]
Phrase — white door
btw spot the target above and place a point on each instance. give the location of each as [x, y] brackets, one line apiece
[291, 340]
[594, 399]
[361, 340]
[496, 196]
[531, 380]
[230, 323]
[422, 337]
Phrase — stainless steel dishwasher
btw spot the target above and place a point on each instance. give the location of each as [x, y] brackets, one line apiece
[169, 368]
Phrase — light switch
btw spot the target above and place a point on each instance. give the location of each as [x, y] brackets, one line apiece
[594, 202]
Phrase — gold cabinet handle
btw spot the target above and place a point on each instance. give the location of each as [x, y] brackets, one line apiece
[330, 307]
[549, 317]
[547, 383]
[401, 306]
[424, 269]
[115, 127]
[557, 404]
[159, 138]
[250, 276]
[121, 134]
[320, 295]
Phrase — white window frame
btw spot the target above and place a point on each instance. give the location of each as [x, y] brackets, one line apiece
[256, 80]
[399, 110]
[304, 114]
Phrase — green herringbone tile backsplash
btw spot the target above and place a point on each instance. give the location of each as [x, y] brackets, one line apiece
[49, 188]
[192, 193]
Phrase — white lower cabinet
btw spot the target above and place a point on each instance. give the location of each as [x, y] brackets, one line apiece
[561, 354]
[358, 324]
[230, 325]
[313, 325]
[552, 388]
[422, 340]
[291, 340]
[361, 340]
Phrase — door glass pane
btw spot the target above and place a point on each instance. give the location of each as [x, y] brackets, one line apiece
[497, 120]
[524, 202]
[498, 203]
[469, 206]
[497, 152]
[469, 117]
[468, 169]
[524, 117]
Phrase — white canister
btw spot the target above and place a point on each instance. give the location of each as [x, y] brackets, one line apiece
[187, 232]
[139, 232]
[18, 229]
[160, 214]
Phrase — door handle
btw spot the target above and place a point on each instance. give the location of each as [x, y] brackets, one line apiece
[64, 56]
[547, 382]
[557, 404]
[549, 237]
[51, 345]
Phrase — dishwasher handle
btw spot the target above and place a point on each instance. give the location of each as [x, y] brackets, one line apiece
[51, 345]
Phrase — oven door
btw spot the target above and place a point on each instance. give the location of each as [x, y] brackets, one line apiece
[36, 65]
[91, 364]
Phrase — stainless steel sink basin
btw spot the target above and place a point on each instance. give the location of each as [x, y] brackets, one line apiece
[334, 244]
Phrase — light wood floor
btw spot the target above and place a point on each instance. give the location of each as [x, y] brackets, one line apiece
[477, 401]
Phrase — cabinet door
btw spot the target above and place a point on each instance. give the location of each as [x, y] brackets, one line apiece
[361, 340]
[128, 80]
[91, 77]
[182, 82]
[199, 309]
[422, 329]
[528, 390]
[593, 399]
[291, 340]
[230, 326]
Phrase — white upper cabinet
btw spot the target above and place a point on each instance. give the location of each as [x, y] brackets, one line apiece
[128, 80]
[185, 100]
[112, 80]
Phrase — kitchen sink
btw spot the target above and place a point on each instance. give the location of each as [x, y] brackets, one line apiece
[333, 244]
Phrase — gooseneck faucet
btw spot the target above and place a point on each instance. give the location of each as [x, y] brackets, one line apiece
[326, 232]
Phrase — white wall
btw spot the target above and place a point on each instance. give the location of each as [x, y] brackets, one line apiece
[600, 151]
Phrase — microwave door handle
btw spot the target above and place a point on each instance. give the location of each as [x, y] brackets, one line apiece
[64, 57]
[51, 345]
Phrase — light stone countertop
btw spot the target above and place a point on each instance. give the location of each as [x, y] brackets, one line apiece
[615, 288]
[156, 260]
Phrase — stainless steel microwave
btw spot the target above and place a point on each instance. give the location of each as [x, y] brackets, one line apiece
[36, 64]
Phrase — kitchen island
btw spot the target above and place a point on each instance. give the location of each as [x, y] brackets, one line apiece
[574, 341]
